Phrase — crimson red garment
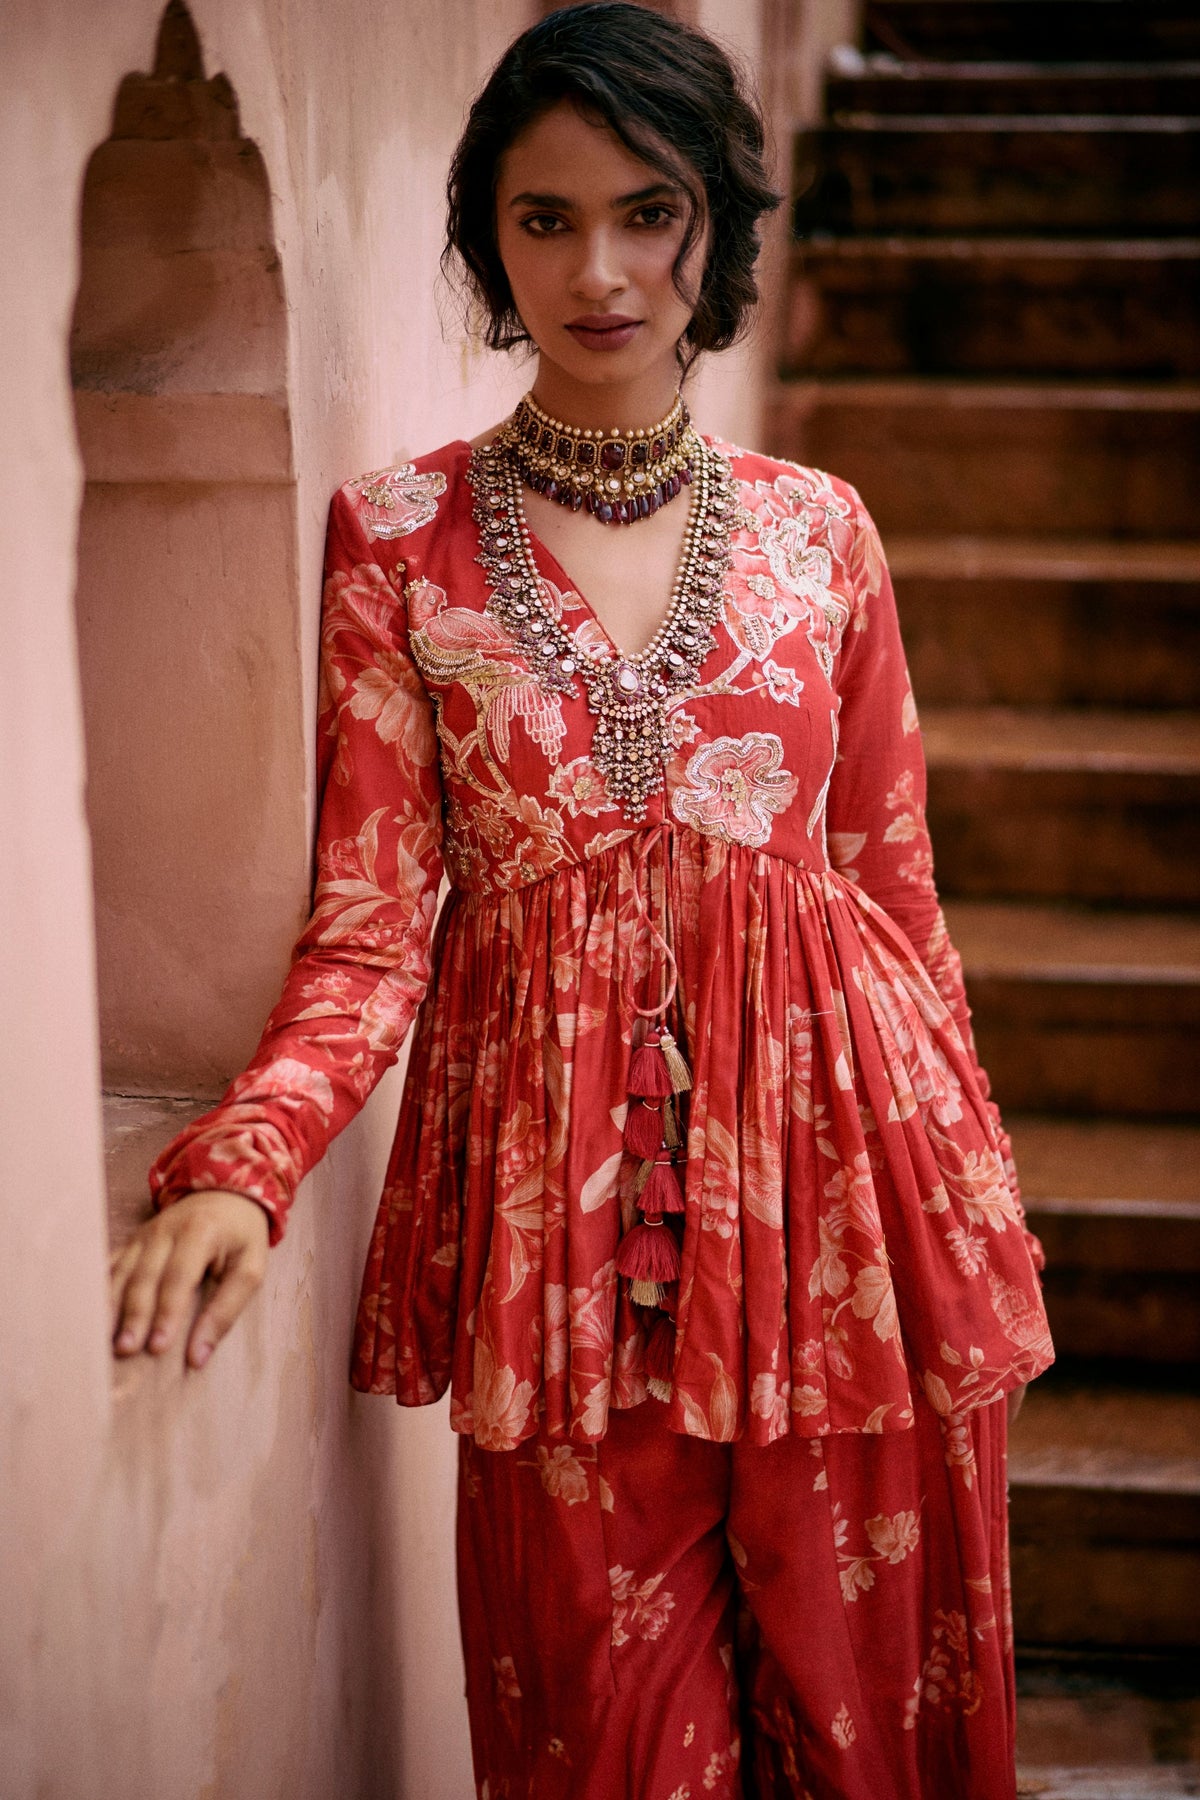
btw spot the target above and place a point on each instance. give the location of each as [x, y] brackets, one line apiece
[852, 1226]
[600, 1587]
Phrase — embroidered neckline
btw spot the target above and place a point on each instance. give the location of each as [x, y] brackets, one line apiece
[628, 694]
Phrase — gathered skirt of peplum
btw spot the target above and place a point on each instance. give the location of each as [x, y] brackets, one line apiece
[848, 1231]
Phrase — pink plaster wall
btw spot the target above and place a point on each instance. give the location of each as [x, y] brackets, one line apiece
[238, 1585]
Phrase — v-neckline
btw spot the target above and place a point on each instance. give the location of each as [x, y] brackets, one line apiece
[543, 556]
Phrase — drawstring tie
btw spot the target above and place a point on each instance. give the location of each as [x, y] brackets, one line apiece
[648, 1255]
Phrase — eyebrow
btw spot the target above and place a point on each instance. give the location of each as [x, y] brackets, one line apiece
[655, 191]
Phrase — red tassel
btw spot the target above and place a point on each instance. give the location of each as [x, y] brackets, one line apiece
[643, 1129]
[662, 1192]
[660, 1357]
[649, 1253]
[649, 1075]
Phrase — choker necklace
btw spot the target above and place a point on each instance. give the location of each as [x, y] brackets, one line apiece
[618, 476]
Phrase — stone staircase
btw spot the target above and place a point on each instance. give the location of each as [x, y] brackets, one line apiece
[994, 332]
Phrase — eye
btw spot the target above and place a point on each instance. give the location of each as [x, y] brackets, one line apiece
[654, 216]
[543, 224]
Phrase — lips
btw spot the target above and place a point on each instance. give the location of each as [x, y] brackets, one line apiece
[603, 331]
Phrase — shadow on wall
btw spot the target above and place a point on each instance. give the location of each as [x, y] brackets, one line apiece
[187, 598]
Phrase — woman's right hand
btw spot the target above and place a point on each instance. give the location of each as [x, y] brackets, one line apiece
[156, 1275]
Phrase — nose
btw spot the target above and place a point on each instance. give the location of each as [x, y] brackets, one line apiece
[598, 274]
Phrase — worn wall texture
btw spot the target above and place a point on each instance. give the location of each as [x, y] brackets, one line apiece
[236, 1585]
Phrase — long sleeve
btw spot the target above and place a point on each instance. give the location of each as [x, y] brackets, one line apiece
[876, 811]
[361, 966]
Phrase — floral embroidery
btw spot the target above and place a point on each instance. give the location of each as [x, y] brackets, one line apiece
[733, 786]
[395, 502]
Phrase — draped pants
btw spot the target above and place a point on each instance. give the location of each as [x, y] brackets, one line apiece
[657, 1617]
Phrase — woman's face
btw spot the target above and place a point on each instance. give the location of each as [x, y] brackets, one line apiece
[588, 235]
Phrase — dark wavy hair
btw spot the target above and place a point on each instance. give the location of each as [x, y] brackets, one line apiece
[675, 100]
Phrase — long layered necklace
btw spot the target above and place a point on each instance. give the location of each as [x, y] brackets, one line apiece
[618, 476]
[628, 694]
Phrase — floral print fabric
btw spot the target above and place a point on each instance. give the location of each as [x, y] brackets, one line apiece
[657, 1616]
[853, 1229]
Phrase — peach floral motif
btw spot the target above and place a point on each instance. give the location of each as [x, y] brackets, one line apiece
[947, 1681]
[287, 1081]
[390, 693]
[769, 1401]
[499, 1404]
[505, 1672]
[842, 1728]
[580, 787]
[893, 1538]
[639, 1609]
[563, 1475]
[733, 786]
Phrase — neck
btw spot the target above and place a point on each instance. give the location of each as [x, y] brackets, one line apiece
[622, 406]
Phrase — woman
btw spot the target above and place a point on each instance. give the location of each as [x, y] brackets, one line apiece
[697, 1203]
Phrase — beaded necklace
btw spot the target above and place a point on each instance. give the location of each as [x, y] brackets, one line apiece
[628, 694]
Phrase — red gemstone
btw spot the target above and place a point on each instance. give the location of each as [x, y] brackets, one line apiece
[658, 449]
[622, 512]
[612, 456]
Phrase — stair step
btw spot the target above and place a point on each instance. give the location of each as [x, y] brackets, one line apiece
[1080, 740]
[1080, 803]
[1081, 1172]
[1073, 459]
[1104, 1485]
[968, 558]
[1075, 1782]
[1065, 30]
[1082, 1010]
[1092, 1710]
[1117, 1207]
[989, 622]
[997, 306]
[882, 84]
[999, 172]
[1076, 945]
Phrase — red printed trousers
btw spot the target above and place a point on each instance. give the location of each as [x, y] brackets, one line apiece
[656, 1617]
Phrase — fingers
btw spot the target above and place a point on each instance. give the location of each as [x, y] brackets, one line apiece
[136, 1279]
[240, 1281]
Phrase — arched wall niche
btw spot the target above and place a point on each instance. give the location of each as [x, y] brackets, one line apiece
[187, 601]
